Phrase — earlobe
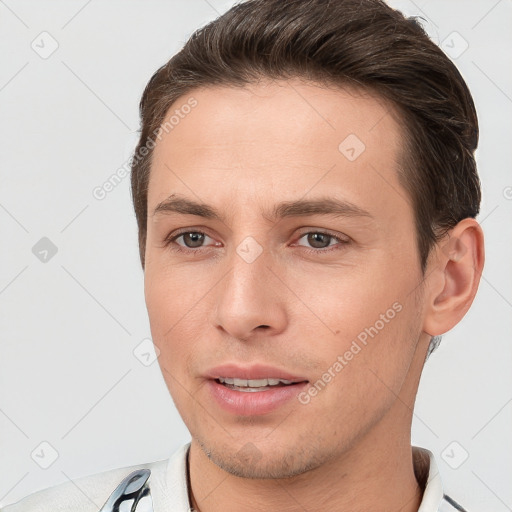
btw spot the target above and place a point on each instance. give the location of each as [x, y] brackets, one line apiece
[455, 278]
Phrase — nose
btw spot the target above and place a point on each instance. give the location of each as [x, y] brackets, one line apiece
[250, 298]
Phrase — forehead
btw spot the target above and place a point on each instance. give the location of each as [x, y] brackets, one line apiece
[279, 141]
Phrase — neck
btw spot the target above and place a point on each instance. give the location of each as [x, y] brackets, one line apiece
[377, 474]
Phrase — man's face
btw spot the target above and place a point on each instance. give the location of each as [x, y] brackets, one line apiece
[299, 292]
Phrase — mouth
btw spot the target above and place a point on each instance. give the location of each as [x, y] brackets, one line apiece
[255, 385]
[258, 389]
[253, 397]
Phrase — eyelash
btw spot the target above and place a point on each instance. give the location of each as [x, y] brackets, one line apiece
[178, 248]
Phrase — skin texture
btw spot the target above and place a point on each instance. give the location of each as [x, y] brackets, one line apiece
[242, 150]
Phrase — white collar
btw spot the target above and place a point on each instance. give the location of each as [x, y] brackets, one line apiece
[172, 494]
[425, 468]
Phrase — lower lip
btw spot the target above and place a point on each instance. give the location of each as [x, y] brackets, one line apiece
[248, 403]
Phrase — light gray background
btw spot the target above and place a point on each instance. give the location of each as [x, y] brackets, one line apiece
[69, 326]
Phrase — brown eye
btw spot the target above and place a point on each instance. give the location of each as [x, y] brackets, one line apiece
[193, 239]
[319, 240]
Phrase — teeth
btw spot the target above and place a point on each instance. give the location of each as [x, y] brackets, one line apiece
[253, 383]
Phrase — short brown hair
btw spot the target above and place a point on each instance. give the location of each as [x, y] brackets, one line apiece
[361, 43]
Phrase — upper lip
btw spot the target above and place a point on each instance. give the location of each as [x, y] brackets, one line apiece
[255, 371]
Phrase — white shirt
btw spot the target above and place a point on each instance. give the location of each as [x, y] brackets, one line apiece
[169, 488]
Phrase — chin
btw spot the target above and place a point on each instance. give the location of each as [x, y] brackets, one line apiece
[260, 461]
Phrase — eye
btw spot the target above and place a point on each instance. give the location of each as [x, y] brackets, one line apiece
[191, 240]
[320, 241]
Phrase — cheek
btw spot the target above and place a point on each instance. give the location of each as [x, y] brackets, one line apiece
[171, 296]
[363, 335]
[168, 316]
[359, 381]
[340, 302]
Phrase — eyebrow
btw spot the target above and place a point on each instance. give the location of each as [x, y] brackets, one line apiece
[177, 204]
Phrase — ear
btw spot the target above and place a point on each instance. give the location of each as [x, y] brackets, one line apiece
[453, 276]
